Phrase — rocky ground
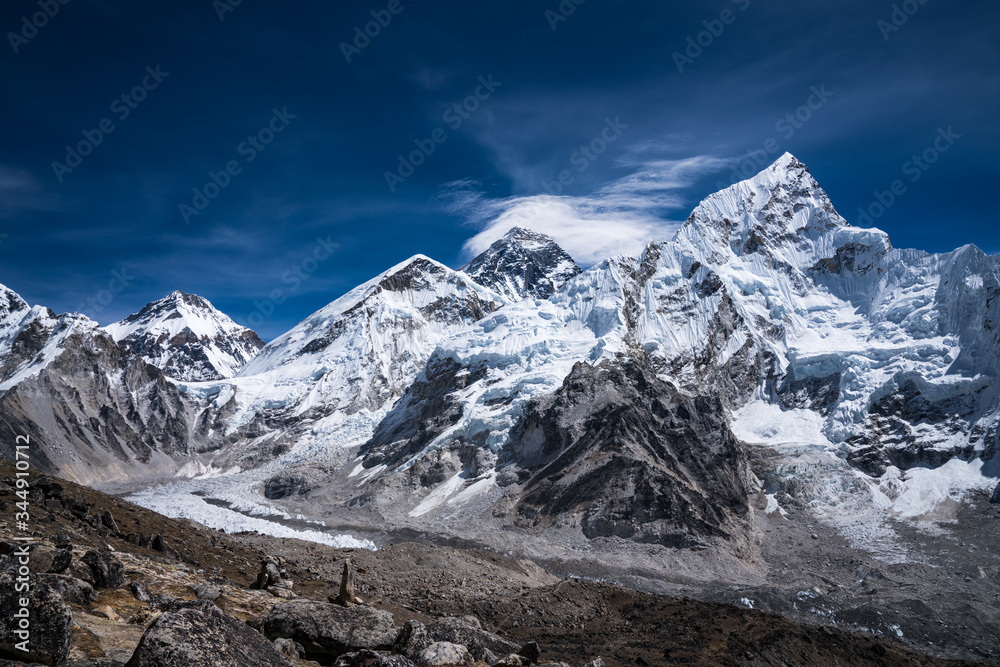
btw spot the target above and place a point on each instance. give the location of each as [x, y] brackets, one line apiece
[137, 588]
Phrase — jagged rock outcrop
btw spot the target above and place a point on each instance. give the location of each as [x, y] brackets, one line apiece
[621, 453]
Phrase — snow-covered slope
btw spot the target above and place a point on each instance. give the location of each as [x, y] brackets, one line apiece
[328, 381]
[770, 300]
[523, 264]
[187, 338]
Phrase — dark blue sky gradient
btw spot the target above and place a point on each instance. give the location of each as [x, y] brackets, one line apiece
[323, 176]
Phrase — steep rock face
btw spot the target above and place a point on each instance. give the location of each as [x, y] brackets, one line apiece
[94, 412]
[624, 454]
[522, 265]
[187, 338]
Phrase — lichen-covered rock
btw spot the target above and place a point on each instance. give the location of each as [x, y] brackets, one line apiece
[372, 659]
[71, 589]
[202, 636]
[412, 639]
[107, 569]
[445, 653]
[325, 629]
[466, 630]
[48, 627]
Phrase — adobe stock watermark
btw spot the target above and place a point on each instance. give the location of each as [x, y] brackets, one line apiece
[249, 150]
[562, 13]
[454, 117]
[899, 17]
[915, 168]
[363, 35]
[299, 273]
[714, 28]
[587, 154]
[787, 126]
[223, 7]
[20, 624]
[95, 305]
[30, 25]
[122, 107]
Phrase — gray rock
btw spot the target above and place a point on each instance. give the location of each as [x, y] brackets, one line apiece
[50, 621]
[996, 496]
[531, 651]
[140, 592]
[372, 659]
[412, 639]
[108, 570]
[80, 571]
[207, 592]
[467, 631]
[288, 648]
[325, 629]
[596, 662]
[445, 653]
[202, 636]
[61, 560]
[71, 589]
[109, 522]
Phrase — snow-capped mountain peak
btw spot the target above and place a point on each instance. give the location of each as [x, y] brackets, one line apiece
[186, 337]
[523, 264]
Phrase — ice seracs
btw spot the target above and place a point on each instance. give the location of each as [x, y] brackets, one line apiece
[187, 338]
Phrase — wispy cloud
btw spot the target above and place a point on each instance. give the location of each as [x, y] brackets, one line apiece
[20, 192]
[619, 218]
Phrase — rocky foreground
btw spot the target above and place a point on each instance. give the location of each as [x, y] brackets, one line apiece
[113, 584]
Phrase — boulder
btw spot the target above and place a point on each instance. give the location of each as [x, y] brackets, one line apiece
[207, 592]
[107, 569]
[202, 636]
[445, 653]
[109, 522]
[80, 571]
[596, 662]
[50, 624]
[372, 659]
[140, 592]
[328, 630]
[71, 589]
[47, 560]
[288, 648]
[512, 660]
[466, 630]
[531, 651]
[412, 639]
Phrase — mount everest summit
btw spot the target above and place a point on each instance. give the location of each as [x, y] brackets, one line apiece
[631, 401]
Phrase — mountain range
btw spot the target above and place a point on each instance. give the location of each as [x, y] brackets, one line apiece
[629, 401]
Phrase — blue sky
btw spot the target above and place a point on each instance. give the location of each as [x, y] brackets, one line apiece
[208, 85]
